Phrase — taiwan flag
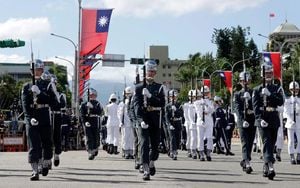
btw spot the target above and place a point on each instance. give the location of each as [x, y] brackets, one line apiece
[227, 78]
[94, 31]
[275, 59]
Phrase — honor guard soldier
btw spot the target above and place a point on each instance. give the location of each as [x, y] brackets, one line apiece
[246, 119]
[220, 124]
[125, 124]
[204, 109]
[266, 98]
[91, 112]
[57, 122]
[173, 117]
[113, 133]
[292, 113]
[187, 123]
[36, 99]
[149, 99]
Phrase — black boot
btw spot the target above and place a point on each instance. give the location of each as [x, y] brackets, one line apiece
[265, 170]
[111, 149]
[56, 160]
[115, 150]
[35, 173]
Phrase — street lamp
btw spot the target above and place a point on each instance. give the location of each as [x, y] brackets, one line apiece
[76, 75]
[73, 82]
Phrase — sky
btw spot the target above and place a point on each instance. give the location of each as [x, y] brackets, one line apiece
[186, 26]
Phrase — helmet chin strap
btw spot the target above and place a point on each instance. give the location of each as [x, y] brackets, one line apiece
[149, 79]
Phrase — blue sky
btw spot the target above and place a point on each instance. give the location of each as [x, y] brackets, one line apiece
[186, 26]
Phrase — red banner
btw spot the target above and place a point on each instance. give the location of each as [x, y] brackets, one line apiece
[275, 59]
[227, 78]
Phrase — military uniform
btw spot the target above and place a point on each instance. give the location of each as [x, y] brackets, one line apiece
[173, 117]
[270, 115]
[149, 122]
[248, 131]
[91, 122]
[38, 124]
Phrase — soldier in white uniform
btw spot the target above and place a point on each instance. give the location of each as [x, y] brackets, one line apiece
[204, 108]
[193, 128]
[125, 125]
[186, 124]
[291, 112]
[112, 125]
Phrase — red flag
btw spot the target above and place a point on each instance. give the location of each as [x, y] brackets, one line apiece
[271, 15]
[227, 78]
[84, 75]
[206, 82]
[275, 59]
[94, 31]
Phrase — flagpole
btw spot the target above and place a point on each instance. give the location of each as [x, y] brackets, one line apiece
[77, 68]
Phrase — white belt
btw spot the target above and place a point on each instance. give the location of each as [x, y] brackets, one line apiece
[151, 108]
[39, 106]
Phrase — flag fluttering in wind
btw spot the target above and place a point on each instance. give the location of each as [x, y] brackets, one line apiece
[271, 15]
[227, 78]
[275, 59]
[94, 32]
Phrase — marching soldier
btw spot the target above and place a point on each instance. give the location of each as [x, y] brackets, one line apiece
[266, 98]
[173, 117]
[148, 101]
[187, 123]
[125, 125]
[57, 122]
[220, 124]
[91, 112]
[246, 119]
[36, 100]
[292, 113]
[112, 125]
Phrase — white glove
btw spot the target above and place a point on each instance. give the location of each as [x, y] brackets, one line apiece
[144, 125]
[89, 105]
[146, 93]
[247, 96]
[202, 124]
[263, 123]
[266, 92]
[87, 124]
[34, 122]
[126, 101]
[245, 124]
[227, 127]
[174, 108]
[35, 89]
[172, 128]
[121, 125]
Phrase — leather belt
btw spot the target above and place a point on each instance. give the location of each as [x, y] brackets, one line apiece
[92, 115]
[250, 112]
[56, 112]
[177, 119]
[269, 109]
[151, 108]
[39, 106]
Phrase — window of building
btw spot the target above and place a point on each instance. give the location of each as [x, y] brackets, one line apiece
[164, 66]
[170, 74]
[164, 75]
[169, 66]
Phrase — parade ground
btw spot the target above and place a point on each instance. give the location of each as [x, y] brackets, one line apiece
[106, 170]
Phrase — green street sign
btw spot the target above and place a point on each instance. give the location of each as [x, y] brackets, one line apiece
[10, 43]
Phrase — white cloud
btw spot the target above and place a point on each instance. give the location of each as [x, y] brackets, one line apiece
[145, 8]
[114, 74]
[24, 28]
[13, 58]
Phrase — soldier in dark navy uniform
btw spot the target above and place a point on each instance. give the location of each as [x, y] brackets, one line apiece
[246, 120]
[91, 112]
[149, 99]
[36, 101]
[173, 117]
[266, 98]
[56, 116]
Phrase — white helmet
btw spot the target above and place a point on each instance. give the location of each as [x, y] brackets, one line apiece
[196, 92]
[39, 64]
[151, 65]
[128, 90]
[243, 75]
[217, 98]
[173, 93]
[112, 96]
[206, 89]
[291, 86]
[93, 91]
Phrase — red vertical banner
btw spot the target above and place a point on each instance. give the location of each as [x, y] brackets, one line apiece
[206, 82]
[275, 59]
[227, 78]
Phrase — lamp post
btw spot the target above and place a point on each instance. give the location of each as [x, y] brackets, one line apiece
[75, 83]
